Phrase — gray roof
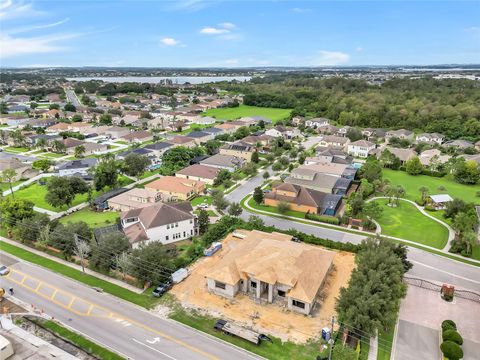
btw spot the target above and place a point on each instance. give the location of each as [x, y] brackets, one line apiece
[78, 164]
[158, 145]
[161, 214]
[222, 160]
[198, 134]
[213, 130]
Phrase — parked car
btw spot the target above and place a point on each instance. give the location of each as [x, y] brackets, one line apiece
[162, 288]
[4, 270]
[203, 206]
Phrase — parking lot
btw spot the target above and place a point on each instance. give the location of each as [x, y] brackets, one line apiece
[421, 316]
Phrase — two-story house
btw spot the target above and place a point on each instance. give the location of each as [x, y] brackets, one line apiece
[238, 149]
[360, 148]
[173, 188]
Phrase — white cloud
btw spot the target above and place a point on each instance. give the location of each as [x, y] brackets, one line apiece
[12, 10]
[168, 41]
[325, 57]
[214, 31]
[227, 25]
[12, 46]
[37, 27]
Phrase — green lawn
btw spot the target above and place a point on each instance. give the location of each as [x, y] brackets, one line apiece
[413, 183]
[245, 110]
[15, 149]
[201, 199]
[277, 350]
[79, 340]
[36, 193]
[145, 299]
[6, 186]
[92, 218]
[52, 155]
[406, 222]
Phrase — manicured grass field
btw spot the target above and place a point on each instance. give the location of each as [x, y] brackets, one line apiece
[79, 340]
[52, 155]
[14, 149]
[385, 340]
[6, 186]
[92, 218]
[201, 199]
[413, 183]
[406, 222]
[245, 110]
[145, 299]
[36, 193]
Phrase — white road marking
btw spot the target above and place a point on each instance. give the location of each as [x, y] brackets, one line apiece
[445, 272]
[155, 340]
[151, 348]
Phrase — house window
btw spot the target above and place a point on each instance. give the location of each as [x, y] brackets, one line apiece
[281, 293]
[166, 238]
[253, 284]
[220, 285]
[168, 226]
[176, 224]
[298, 304]
[184, 234]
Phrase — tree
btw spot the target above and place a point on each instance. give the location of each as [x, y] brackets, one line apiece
[258, 195]
[79, 151]
[249, 169]
[354, 134]
[42, 165]
[203, 221]
[61, 190]
[150, 263]
[105, 174]
[63, 236]
[223, 177]
[54, 107]
[135, 164]
[8, 175]
[283, 207]
[256, 222]
[371, 170]
[266, 175]
[219, 201]
[255, 157]
[41, 143]
[212, 146]
[466, 172]
[344, 352]
[103, 256]
[28, 229]
[372, 210]
[372, 299]
[13, 210]
[235, 209]
[82, 249]
[58, 146]
[241, 132]
[414, 166]
[424, 191]
[69, 107]
[124, 263]
[105, 119]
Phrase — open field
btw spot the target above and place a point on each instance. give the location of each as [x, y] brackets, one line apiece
[245, 110]
[36, 193]
[413, 183]
[406, 222]
[271, 319]
[93, 219]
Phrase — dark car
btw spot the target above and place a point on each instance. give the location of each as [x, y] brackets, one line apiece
[219, 324]
[162, 289]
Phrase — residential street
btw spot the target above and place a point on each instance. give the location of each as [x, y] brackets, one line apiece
[426, 265]
[127, 328]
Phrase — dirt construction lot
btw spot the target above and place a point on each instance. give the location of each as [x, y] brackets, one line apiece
[269, 318]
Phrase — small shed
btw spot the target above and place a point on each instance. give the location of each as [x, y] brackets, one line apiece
[440, 201]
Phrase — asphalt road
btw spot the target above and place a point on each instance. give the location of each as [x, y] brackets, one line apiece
[416, 342]
[425, 264]
[72, 97]
[127, 328]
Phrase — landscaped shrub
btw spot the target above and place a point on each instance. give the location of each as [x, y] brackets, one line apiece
[448, 325]
[451, 350]
[420, 202]
[452, 335]
[321, 218]
[430, 208]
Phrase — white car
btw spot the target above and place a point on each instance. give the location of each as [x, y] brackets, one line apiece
[4, 270]
[203, 206]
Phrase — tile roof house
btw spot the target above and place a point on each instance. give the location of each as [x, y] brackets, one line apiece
[459, 144]
[430, 138]
[198, 172]
[334, 155]
[79, 167]
[403, 154]
[330, 168]
[282, 131]
[116, 132]
[214, 131]
[271, 268]
[238, 149]
[182, 141]
[159, 148]
[339, 142]
[174, 188]
[327, 130]
[200, 136]
[163, 222]
[303, 199]
[432, 158]
[401, 134]
[134, 199]
[227, 128]
[90, 148]
[360, 148]
[137, 136]
[22, 170]
[317, 122]
[312, 179]
[228, 162]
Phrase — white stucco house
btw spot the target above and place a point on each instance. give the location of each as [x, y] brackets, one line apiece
[360, 148]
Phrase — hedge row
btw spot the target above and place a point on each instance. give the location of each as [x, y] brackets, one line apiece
[321, 218]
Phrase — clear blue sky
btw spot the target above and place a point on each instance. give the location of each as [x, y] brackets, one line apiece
[195, 33]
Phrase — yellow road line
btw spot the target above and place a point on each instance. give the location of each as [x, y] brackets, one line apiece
[71, 302]
[23, 280]
[90, 308]
[38, 287]
[111, 315]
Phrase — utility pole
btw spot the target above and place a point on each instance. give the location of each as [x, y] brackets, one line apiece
[331, 340]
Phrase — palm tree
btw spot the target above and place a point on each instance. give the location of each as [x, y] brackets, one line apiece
[79, 151]
[41, 143]
[8, 175]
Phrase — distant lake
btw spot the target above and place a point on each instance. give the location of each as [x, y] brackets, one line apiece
[157, 79]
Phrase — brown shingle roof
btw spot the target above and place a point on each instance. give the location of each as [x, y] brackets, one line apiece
[201, 171]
